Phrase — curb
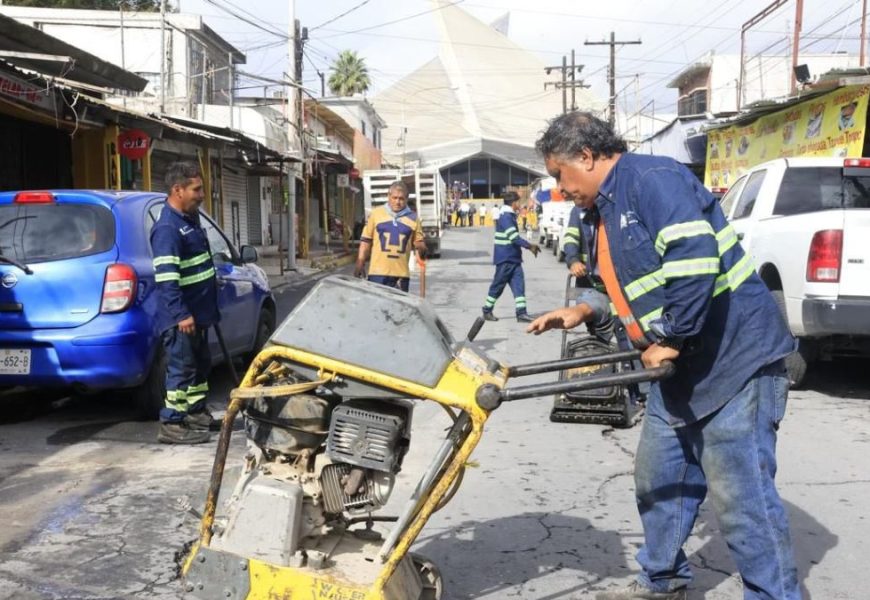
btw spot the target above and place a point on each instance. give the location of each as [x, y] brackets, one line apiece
[321, 267]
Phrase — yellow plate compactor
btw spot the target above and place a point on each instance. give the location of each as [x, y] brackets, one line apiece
[327, 407]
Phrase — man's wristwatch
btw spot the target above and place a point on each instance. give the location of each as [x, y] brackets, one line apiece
[675, 343]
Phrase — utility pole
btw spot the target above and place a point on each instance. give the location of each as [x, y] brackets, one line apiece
[863, 31]
[565, 84]
[294, 137]
[162, 56]
[611, 74]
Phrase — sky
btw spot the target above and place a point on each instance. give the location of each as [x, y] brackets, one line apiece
[397, 36]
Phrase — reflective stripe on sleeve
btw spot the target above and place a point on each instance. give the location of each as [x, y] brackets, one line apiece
[681, 230]
[690, 267]
[165, 260]
[161, 277]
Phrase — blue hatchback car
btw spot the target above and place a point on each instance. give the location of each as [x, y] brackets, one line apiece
[78, 299]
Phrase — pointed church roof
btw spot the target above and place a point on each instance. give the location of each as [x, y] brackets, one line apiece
[482, 85]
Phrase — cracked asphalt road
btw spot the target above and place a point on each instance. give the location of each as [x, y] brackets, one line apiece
[94, 509]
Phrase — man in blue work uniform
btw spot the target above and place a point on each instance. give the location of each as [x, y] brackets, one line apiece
[508, 260]
[578, 254]
[185, 277]
[689, 295]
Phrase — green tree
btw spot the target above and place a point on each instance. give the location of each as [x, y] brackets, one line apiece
[349, 74]
[136, 5]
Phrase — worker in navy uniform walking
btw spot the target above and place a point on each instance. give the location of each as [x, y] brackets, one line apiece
[187, 297]
[508, 260]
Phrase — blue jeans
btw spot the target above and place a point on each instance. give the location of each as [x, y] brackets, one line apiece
[732, 454]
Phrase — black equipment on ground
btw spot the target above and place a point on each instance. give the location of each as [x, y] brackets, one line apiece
[617, 405]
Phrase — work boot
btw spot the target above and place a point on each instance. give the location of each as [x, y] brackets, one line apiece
[488, 316]
[524, 318]
[636, 591]
[181, 433]
[202, 421]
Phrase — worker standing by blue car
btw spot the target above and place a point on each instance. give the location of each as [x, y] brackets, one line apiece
[185, 277]
[686, 292]
[508, 260]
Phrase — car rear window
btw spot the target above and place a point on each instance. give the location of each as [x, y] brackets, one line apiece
[33, 233]
[811, 189]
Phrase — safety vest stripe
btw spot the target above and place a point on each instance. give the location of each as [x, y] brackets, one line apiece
[726, 239]
[690, 267]
[190, 280]
[681, 230]
[502, 242]
[584, 257]
[161, 277]
[490, 302]
[653, 314]
[196, 260]
[645, 284]
[735, 276]
[510, 229]
[573, 233]
[165, 260]
[202, 387]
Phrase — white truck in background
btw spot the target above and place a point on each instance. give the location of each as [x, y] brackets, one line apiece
[806, 224]
[427, 192]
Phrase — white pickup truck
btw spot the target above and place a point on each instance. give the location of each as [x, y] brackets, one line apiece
[806, 223]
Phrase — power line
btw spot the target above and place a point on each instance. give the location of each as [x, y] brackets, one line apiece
[393, 22]
[336, 18]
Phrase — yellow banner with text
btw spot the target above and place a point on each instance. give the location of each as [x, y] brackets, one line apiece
[829, 125]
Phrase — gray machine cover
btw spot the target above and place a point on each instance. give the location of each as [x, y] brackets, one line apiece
[371, 326]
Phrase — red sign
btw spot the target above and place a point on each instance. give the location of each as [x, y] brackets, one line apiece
[133, 144]
[354, 173]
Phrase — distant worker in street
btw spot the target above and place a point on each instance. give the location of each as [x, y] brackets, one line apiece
[187, 306]
[494, 213]
[464, 209]
[685, 292]
[472, 212]
[391, 233]
[508, 260]
[481, 215]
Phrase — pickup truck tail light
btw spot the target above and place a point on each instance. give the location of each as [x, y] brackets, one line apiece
[119, 289]
[826, 253]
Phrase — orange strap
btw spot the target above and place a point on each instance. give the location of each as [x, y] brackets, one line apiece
[614, 290]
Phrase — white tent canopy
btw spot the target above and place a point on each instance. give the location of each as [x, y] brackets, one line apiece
[481, 86]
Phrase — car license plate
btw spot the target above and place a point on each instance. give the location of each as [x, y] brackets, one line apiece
[14, 362]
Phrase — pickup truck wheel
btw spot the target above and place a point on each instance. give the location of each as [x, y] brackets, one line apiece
[150, 396]
[795, 363]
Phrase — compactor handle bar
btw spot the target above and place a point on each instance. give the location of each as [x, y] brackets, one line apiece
[489, 396]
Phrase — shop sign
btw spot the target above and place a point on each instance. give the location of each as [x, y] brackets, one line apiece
[829, 125]
[133, 144]
[12, 87]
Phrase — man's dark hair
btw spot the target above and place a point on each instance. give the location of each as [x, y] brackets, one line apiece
[510, 198]
[180, 173]
[567, 135]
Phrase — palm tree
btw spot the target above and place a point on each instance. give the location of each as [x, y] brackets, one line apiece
[349, 74]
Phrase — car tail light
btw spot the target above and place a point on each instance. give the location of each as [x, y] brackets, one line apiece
[34, 198]
[856, 162]
[119, 290]
[826, 253]
[719, 190]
